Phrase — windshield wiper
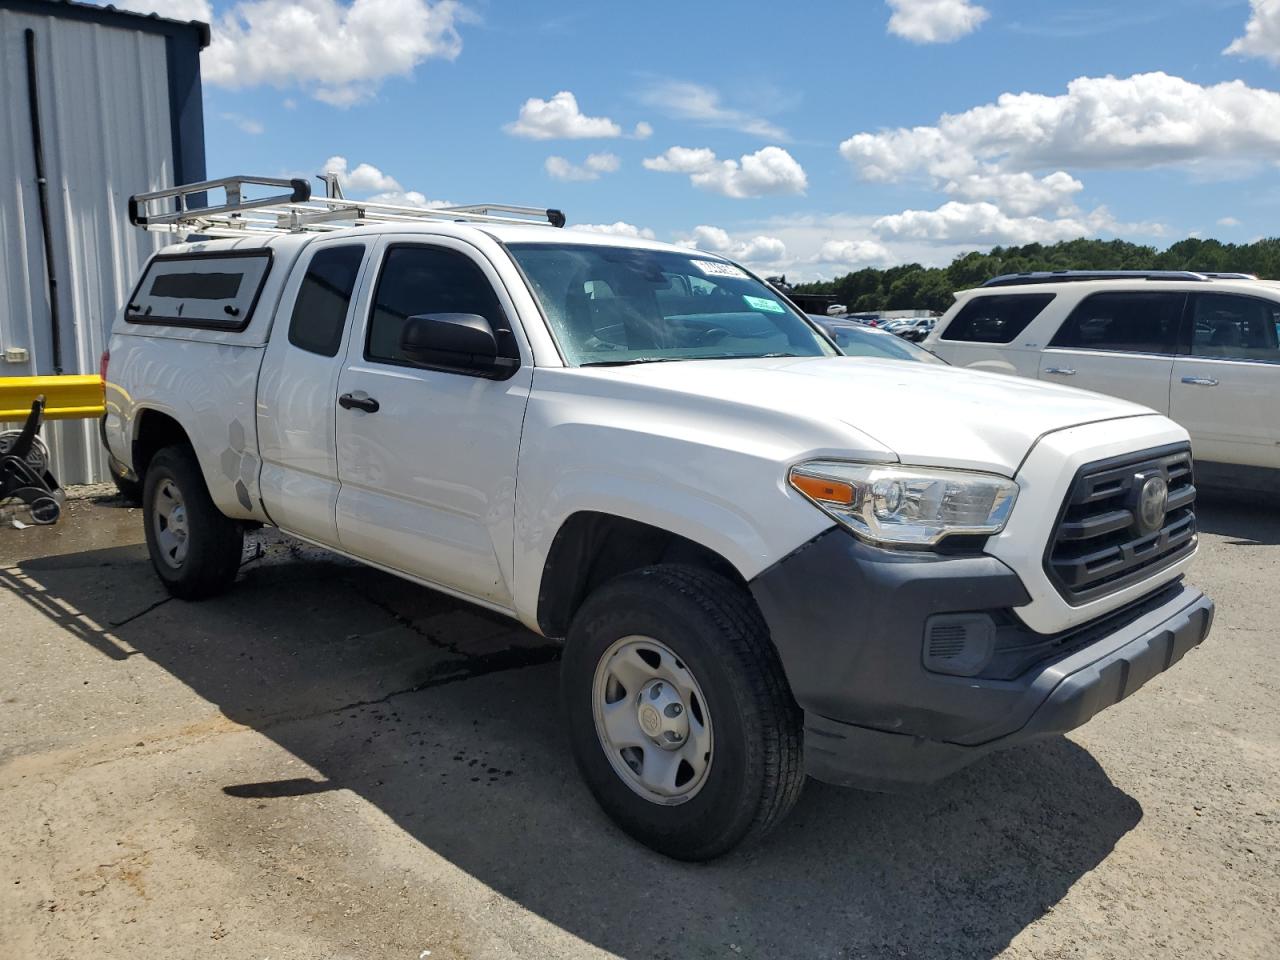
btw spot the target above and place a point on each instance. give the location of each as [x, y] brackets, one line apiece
[634, 360]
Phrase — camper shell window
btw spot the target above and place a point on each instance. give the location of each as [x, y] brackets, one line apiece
[215, 291]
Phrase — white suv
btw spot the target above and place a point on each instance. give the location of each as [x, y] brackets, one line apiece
[1203, 349]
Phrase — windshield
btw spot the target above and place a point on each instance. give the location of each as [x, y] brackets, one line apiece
[621, 305]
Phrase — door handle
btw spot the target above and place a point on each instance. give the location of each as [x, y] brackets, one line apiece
[349, 401]
[1061, 371]
[1200, 381]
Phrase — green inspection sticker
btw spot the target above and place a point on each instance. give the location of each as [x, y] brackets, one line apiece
[768, 306]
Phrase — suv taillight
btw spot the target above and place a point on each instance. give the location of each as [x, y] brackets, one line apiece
[102, 365]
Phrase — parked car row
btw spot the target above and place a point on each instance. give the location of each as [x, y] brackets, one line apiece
[914, 329]
[857, 340]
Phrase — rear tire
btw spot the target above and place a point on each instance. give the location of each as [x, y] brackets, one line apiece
[681, 719]
[194, 548]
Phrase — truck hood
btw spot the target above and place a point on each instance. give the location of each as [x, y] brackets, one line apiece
[921, 414]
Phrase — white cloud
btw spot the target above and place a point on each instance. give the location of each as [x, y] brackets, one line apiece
[760, 250]
[1019, 193]
[853, 253]
[1261, 34]
[1228, 222]
[382, 187]
[365, 178]
[338, 52]
[986, 223]
[711, 239]
[558, 168]
[702, 104]
[246, 124]
[770, 170]
[935, 21]
[408, 198]
[1142, 121]
[559, 119]
[618, 229]
[643, 131]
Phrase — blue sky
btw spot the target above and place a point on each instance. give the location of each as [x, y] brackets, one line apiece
[786, 116]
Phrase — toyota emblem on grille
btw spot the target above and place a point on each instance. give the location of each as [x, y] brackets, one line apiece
[1153, 503]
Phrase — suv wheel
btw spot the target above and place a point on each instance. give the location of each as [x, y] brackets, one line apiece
[680, 716]
[194, 548]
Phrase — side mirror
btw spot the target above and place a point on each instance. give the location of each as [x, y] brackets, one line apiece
[455, 341]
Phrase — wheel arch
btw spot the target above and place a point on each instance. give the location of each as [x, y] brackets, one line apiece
[153, 430]
[591, 547]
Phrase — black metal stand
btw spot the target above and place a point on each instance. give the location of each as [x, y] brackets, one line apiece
[24, 472]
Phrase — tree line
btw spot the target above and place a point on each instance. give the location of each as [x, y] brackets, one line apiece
[912, 286]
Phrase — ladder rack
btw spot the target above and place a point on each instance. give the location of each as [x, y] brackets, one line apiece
[186, 209]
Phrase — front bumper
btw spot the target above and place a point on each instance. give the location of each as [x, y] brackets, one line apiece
[848, 620]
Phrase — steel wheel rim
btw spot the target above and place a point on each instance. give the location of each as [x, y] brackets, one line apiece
[169, 521]
[652, 720]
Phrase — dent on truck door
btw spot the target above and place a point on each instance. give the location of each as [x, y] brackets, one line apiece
[427, 457]
[295, 392]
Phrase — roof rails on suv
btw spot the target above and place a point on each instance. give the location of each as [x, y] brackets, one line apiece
[1075, 276]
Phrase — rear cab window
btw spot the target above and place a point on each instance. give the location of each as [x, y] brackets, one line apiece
[320, 311]
[214, 291]
[996, 319]
[1124, 322]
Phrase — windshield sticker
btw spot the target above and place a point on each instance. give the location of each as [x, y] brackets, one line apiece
[768, 306]
[714, 268]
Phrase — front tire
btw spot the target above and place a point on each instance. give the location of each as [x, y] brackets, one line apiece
[195, 549]
[680, 716]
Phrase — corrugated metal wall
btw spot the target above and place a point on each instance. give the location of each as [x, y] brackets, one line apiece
[105, 113]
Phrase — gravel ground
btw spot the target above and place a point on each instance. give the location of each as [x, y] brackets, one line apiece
[330, 763]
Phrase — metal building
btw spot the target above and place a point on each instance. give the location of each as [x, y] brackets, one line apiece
[97, 104]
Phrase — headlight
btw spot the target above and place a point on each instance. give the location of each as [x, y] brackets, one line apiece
[885, 503]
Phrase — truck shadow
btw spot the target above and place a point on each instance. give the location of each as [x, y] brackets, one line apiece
[1247, 521]
[447, 721]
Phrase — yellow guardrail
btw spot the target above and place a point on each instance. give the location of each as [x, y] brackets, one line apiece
[66, 398]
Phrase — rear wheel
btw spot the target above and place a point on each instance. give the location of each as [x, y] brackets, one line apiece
[194, 548]
[679, 713]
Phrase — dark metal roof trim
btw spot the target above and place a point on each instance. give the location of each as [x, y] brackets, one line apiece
[110, 16]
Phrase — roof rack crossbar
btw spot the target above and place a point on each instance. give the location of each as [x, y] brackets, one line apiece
[1079, 276]
[297, 212]
[234, 187]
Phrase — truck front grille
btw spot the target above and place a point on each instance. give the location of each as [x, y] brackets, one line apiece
[1105, 540]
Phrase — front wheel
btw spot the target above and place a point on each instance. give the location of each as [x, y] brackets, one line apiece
[195, 549]
[680, 716]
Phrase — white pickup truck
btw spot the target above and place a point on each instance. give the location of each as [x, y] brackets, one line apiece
[766, 560]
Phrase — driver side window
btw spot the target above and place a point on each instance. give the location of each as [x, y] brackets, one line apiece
[417, 280]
